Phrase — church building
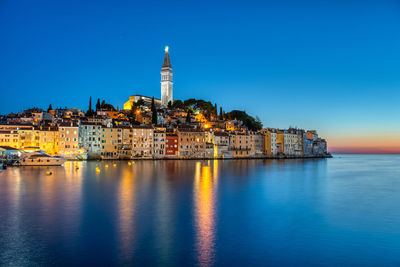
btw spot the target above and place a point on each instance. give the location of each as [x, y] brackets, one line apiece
[166, 87]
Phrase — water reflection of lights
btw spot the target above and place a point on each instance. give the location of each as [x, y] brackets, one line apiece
[72, 196]
[126, 210]
[205, 214]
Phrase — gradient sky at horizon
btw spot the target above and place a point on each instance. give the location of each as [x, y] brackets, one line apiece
[331, 66]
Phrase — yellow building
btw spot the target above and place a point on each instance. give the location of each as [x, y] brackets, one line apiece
[280, 142]
[29, 138]
[109, 142]
[135, 98]
[9, 138]
[270, 143]
[49, 138]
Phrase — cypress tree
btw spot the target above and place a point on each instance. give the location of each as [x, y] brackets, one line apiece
[154, 112]
[89, 112]
[98, 104]
[221, 116]
[90, 104]
[188, 119]
[50, 108]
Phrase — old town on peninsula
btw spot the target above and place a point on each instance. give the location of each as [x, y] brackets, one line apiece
[151, 128]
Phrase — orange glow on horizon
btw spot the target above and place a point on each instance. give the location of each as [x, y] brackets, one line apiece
[365, 144]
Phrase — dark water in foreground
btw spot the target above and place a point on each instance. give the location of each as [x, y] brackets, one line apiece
[340, 211]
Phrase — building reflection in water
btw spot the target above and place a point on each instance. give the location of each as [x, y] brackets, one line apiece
[126, 211]
[205, 209]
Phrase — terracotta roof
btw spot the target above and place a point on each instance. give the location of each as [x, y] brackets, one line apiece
[221, 134]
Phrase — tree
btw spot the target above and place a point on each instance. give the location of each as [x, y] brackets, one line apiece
[98, 104]
[215, 109]
[90, 104]
[90, 112]
[169, 104]
[132, 116]
[188, 117]
[103, 103]
[50, 108]
[178, 104]
[221, 115]
[140, 103]
[248, 121]
[154, 111]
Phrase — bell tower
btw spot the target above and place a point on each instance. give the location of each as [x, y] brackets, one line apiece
[166, 80]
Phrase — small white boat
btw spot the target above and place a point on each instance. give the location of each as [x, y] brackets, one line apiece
[39, 158]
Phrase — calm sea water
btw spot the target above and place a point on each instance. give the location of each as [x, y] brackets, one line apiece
[339, 211]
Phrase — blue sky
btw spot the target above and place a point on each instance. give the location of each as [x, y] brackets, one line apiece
[329, 65]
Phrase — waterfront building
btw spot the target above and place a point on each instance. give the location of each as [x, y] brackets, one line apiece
[142, 141]
[171, 145]
[9, 138]
[110, 139]
[307, 145]
[90, 139]
[191, 143]
[49, 138]
[159, 143]
[68, 144]
[209, 136]
[259, 144]
[125, 144]
[290, 142]
[221, 140]
[279, 142]
[166, 80]
[300, 149]
[241, 144]
[29, 138]
[270, 143]
[210, 151]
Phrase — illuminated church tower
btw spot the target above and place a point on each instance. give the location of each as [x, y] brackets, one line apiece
[166, 80]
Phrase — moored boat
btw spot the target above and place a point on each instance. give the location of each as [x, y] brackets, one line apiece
[39, 158]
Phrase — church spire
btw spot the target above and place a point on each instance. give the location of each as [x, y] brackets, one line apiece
[167, 62]
[166, 80]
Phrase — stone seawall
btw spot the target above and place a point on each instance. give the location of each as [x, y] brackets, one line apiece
[207, 158]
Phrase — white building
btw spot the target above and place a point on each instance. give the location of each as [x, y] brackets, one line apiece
[90, 139]
[166, 80]
[290, 142]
